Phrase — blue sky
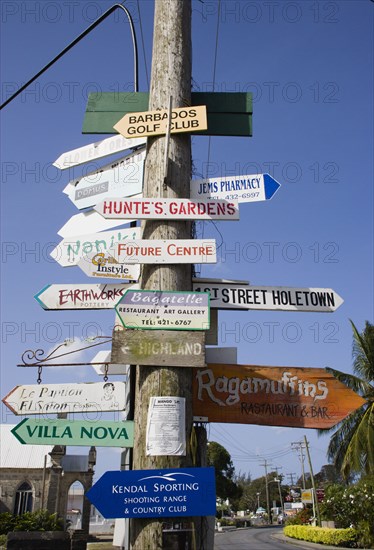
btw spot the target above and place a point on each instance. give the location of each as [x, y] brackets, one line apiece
[309, 66]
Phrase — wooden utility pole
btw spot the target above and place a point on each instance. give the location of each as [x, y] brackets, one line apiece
[171, 77]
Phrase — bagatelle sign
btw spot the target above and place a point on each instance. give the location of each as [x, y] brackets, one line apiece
[103, 265]
[271, 396]
[154, 251]
[164, 310]
[100, 433]
[153, 123]
[81, 296]
[69, 251]
[167, 209]
[158, 348]
[224, 296]
[66, 398]
[155, 493]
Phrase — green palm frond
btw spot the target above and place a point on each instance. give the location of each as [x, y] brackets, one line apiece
[353, 382]
[363, 351]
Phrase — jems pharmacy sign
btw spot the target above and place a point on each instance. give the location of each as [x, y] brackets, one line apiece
[155, 493]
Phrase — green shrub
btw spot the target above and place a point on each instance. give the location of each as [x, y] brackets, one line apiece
[346, 538]
[41, 520]
[2, 541]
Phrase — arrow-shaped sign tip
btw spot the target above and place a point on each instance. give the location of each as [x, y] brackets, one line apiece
[271, 186]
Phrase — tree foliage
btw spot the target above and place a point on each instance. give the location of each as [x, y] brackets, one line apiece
[351, 448]
[219, 457]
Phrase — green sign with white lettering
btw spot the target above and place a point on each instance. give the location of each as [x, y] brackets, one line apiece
[100, 433]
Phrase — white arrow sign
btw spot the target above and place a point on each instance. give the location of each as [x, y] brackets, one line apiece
[187, 251]
[168, 209]
[67, 398]
[102, 264]
[248, 188]
[105, 357]
[88, 222]
[122, 178]
[270, 298]
[108, 146]
[69, 251]
[82, 296]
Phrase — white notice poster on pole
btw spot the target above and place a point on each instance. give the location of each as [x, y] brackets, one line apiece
[166, 427]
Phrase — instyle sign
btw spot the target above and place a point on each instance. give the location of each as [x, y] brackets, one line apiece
[158, 348]
[66, 398]
[182, 251]
[168, 209]
[69, 251]
[155, 493]
[247, 188]
[103, 148]
[99, 433]
[153, 123]
[271, 396]
[103, 265]
[122, 178]
[166, 310]
[81, 296]
[227, 296]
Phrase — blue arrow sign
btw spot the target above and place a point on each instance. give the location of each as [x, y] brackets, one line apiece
[247, 188]
[155, 493]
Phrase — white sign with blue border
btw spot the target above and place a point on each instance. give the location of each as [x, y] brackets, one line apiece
[155, 493]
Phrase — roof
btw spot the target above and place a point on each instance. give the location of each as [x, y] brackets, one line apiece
[15, 455]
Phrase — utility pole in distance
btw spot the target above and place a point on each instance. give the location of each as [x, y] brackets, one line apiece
[171, 77]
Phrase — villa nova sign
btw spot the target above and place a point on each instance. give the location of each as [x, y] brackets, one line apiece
[271, 396]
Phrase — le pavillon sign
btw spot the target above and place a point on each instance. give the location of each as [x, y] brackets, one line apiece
[67, 398]
[168, 209]
[153, 123]
[271, 396]
[168, 310]
[158, 348]
[100, 433]
[179, 492]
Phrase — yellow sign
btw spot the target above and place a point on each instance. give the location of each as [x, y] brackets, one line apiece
[307, 496]
[153, 123]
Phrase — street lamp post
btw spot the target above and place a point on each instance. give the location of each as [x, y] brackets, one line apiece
[258, 500]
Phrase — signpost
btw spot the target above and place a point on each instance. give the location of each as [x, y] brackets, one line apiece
[103, 265]
[247, 188]
[155, 251]
[99, 433]
[69, 251]
[153, 123]
[81, 296]
[66, 398]
[86, 223]
[164, 310]
[122, 178]
[272, 396]
[177, 492]
[159, 348]
[168, 209]
[227, 296]
[93, 151]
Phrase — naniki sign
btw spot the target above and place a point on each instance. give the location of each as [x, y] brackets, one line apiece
[271, 396]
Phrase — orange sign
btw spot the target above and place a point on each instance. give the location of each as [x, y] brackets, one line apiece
[271, 396]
